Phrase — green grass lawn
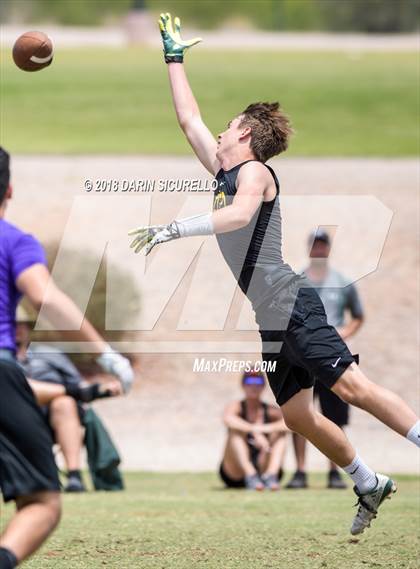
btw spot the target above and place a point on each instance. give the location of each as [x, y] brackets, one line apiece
[117, 101]
[185, 521]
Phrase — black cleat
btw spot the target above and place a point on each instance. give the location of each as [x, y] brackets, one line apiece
[335, 481]
[298, 481]
[74, 484]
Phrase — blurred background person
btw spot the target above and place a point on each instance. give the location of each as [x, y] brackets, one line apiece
[339, 298]
[256, 441]
[64, 415]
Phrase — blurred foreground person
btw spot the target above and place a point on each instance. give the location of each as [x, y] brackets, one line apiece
[256, 441]
[338, 298]
[28, 474]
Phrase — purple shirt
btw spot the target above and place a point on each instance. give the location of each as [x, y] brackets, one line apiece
[18, 251]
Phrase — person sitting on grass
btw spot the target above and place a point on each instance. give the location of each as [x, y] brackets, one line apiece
[256, 441]
[64, 415]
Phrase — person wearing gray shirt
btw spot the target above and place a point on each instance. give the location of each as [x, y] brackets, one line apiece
[339, 298]
[64, 414]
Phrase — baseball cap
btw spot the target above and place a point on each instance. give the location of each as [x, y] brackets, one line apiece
[253, 378]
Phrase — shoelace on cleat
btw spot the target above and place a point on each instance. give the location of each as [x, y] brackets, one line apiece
[360, 502]
[365, 516]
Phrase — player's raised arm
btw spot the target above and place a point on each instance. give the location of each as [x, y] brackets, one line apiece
[186, 108]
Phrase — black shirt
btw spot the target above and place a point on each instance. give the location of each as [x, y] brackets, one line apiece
[253, 251]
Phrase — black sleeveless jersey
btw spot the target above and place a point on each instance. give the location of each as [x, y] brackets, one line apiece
[255, 247]
[244, 415]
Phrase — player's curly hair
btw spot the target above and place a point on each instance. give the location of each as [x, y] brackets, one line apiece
[270, 129]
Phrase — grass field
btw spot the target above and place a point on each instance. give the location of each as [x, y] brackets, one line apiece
[185, 521]
[117, 101]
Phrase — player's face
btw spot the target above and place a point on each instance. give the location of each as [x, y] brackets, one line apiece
[230, 137]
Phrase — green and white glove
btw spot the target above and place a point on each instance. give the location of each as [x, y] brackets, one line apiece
[153, 235]
[173, 45]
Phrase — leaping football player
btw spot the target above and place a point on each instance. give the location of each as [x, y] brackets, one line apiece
[247, 224]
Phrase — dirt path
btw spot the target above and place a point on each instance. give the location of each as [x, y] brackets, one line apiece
[172, 419]
[65, 37]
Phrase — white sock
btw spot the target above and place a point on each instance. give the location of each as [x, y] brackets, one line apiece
[363, 477]
[413, 434]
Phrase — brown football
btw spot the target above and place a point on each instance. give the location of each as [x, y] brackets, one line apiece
[33, 51]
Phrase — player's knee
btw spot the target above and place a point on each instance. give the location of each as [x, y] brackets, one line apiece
[52, 506]
[56, 509]
[234, 433]
[49, 503]
[345, 393]
[298, 422]
[63, 405]
[353, 392]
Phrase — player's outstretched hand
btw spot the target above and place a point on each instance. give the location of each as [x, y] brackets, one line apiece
[153, 235]
[173, 45]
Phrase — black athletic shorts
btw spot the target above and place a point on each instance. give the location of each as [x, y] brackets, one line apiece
[310, 346]
[26, 459]
[254, 453]
[228, 481]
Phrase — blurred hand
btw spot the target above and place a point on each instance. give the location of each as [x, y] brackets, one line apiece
[173, 45]
[114, 388]
[261, 442]
[153, 235]
[343, 332]
[116, 364]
